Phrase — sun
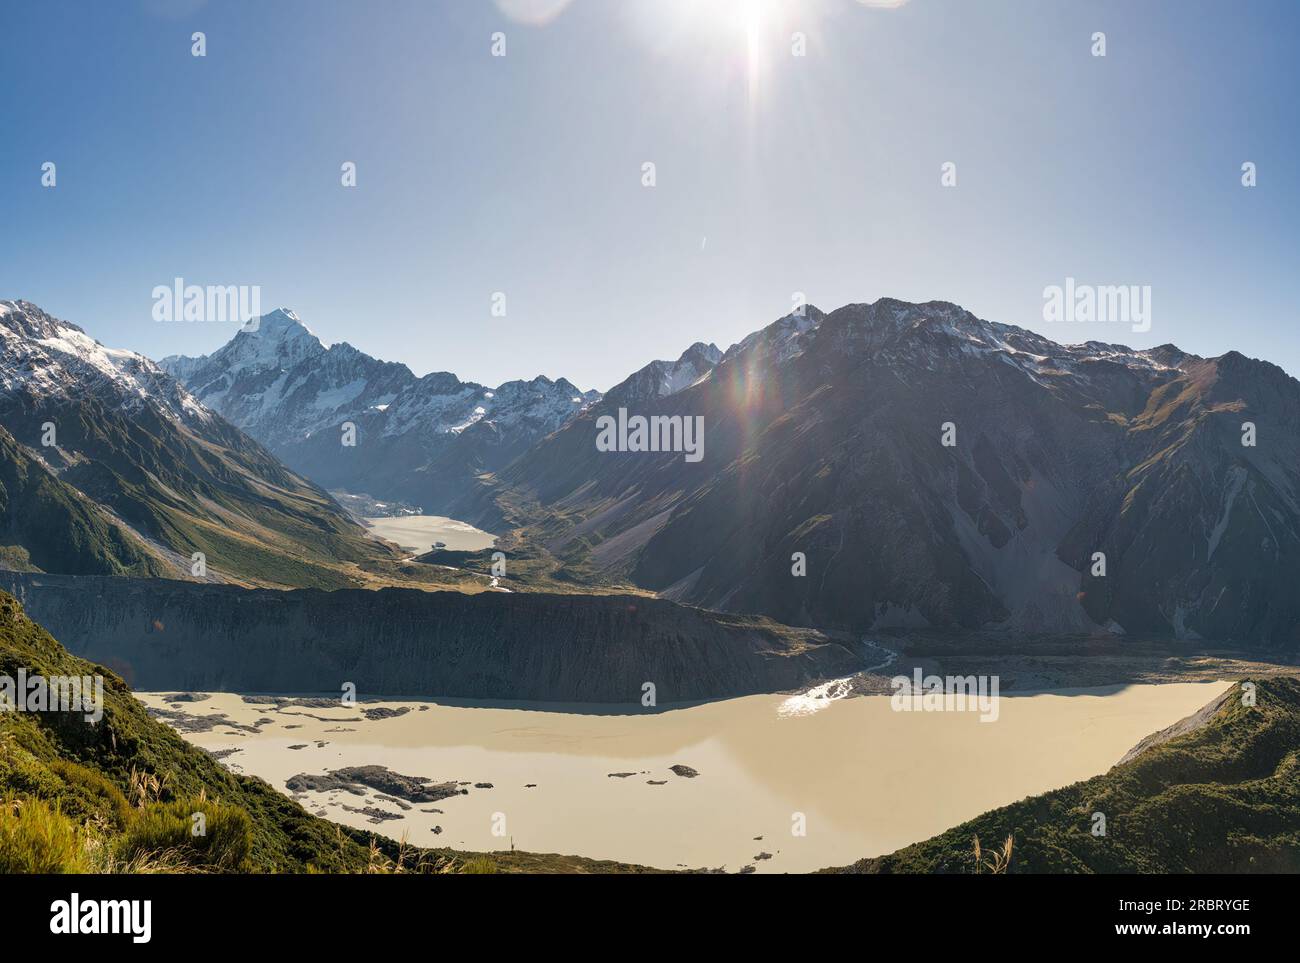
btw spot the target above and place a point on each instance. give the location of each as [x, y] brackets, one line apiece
[745, 17]
[754, 17]
[750, 27]
[736, 41]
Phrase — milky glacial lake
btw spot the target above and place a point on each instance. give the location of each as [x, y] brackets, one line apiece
[419, 533]
[861, 778]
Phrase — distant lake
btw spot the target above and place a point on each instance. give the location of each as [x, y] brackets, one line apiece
[418, 533]
[867, 779]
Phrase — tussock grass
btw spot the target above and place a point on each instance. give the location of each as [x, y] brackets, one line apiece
[35, 837]
[999, 862]
[170, 831]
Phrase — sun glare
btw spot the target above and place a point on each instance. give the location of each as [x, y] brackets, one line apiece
[741, 36]
[752, 15]
[751, 24]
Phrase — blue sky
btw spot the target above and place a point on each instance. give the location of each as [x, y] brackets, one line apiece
[775, 173]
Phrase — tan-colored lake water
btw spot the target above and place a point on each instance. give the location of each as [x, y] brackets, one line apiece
[419, 533]
[861, 778]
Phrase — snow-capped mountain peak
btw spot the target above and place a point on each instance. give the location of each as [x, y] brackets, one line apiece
[46, 357]
[277, 381]
[281, 324]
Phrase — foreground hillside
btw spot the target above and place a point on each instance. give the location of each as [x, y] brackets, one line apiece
[170, 634]
[120, 795]
[1219, 792]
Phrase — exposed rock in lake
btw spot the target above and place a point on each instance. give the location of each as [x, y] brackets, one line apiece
[309, 782]
[357, 779]
[185, 722]
[375, 814]
[686, 772]
[383, 712]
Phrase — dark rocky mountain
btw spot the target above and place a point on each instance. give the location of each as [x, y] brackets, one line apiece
[422, 441]
[824, 436]
[659, 379]
[109, 465]
[555, 648]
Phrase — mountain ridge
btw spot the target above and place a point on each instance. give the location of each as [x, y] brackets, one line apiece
[168, 480]
[825, 436]
[420, 440]
[407, 642]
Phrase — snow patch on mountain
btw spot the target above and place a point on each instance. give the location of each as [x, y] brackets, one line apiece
[660, 379]
[276, 380]
[50, 358]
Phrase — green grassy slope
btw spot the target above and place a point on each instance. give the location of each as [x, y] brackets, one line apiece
[46, 525]
[1223, 797]
[119, 795]
[195, 486]
[209, 488]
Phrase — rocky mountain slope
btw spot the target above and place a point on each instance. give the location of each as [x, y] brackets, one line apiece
[550, 648]
[659, 379]
[110, 465]
[47, 525]
[825, 435]
[418, 440]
